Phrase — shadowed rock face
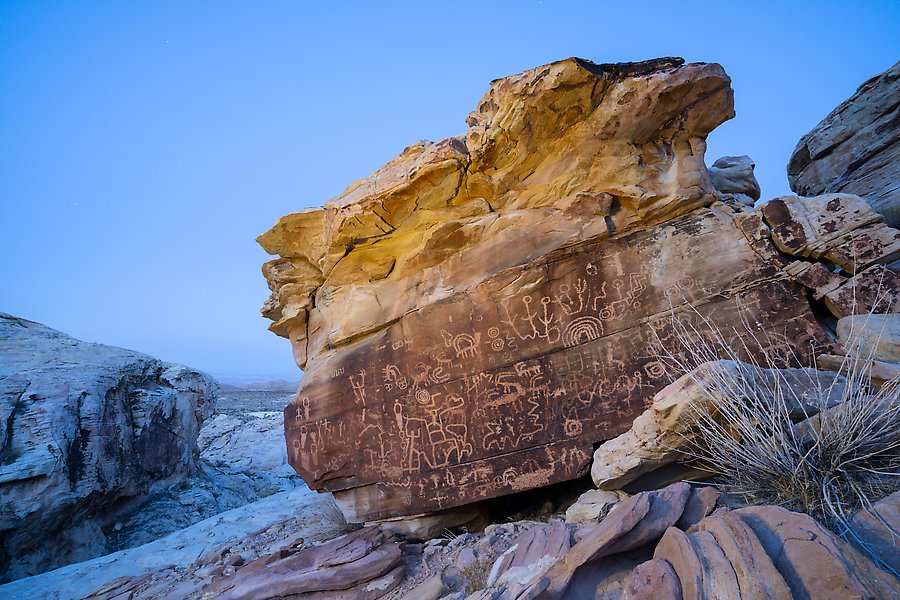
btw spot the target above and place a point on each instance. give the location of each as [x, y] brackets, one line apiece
[856, 148]
[84, 428]
[481, 311]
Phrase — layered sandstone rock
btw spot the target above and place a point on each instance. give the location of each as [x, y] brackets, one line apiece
[567, 152]
[477, 314]
[87, 428]
[645, 549]
[677, 542]
[242, 459]
[364, 565]
[856, 148]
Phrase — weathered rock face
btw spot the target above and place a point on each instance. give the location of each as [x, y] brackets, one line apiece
[364, 565]
[507, 387]
[856, 148]
[86, 428]
[481, 311]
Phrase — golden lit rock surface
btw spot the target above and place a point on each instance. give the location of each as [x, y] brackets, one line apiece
[557, 155]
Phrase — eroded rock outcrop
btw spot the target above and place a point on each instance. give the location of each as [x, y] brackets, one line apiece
[678, 542]
[481, 311]
[363, 565]
[242, 459]
[86, 429]
[856, 148]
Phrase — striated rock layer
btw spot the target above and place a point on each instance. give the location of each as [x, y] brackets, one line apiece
[856, 148]
[479, 313]
[86, 428]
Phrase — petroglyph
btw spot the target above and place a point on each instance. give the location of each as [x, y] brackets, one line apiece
[464, 344]
[583, 329]
[391, 377]
[435, 435]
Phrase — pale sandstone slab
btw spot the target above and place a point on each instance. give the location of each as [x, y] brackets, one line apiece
[871, 336]
[593, 505]
[878, 370]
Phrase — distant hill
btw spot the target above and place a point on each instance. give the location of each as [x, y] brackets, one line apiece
[253, 384]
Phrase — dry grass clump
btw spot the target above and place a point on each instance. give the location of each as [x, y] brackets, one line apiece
[843, 458]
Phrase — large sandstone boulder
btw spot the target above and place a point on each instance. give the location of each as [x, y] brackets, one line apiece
[479, 313]
[88, 429]
[856, 148]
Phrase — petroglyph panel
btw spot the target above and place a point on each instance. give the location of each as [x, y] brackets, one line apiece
[529, 369]
[459, 484]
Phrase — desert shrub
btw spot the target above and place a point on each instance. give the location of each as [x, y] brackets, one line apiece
[841, 457]
[473, 576]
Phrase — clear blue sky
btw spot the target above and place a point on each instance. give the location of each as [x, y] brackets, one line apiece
[144, 145]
